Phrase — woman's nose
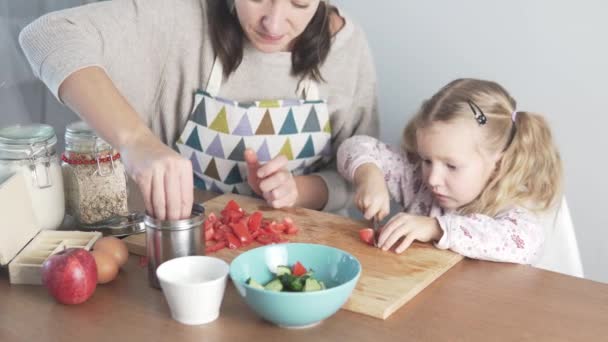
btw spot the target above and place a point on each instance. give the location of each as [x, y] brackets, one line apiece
[274, 19]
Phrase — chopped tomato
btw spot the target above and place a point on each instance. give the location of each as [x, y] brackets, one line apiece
[212, 248]
[265, 238]
[209, 234]
[367, 235]
[298, 269]
[219, 235]
[242, 232]
[232, 215]
[233, 241]
[255, 221]
[212, 217]
[234, 228]
[207, 225]
[233, 206]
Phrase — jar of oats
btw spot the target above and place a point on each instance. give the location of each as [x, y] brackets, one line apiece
[94, 176]
[30, 150]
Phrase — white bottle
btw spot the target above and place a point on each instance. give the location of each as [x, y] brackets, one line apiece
[30, 150]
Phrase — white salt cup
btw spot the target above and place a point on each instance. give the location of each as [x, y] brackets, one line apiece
[194, 287]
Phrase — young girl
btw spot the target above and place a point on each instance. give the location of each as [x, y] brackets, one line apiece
[472, 176]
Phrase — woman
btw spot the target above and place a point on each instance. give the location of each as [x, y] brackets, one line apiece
[131, 69]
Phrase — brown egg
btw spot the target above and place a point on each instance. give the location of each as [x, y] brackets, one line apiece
[114, 247]
[107, 268]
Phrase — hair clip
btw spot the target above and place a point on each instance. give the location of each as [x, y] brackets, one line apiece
[478, 113]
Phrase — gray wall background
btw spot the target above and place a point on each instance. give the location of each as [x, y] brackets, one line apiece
[551, 55]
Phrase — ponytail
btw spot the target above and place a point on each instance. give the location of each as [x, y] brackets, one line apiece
[529, 173]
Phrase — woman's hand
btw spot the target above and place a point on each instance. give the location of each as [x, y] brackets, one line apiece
[371, 197]
[163, 176]
[273, 180]
[410, 228]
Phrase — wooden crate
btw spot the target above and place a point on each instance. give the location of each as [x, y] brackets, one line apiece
[26, 267]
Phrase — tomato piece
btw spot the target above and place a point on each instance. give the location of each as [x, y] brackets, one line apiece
[232, 215]
[207, 225]
[219, 235]
[255, 221]
[233, 241]
[212, 248]
[292, 230]
[242, 232]
[212, 217]
[367, 235]
[265, 238]
[278, 239]
[298, 269]
[209, 234]
[233, 206]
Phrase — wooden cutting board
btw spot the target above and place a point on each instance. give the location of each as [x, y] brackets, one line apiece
[388, 280]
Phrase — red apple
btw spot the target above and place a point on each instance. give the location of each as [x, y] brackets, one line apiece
[70, 275]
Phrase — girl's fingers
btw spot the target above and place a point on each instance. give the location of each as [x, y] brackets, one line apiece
[387, 238]
[409, 239]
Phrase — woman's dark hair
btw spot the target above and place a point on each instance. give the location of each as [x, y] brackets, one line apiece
[309, 50]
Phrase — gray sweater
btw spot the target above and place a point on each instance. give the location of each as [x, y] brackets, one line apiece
[159, 52]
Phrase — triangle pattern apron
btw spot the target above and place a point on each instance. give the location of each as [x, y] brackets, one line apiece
[219, 130]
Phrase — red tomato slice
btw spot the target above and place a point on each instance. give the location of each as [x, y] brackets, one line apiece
[219, 235]
[298, 269]
[255, 221]
[232, 206]
[367, 235]
[242, 232]
[209, 234]
[207, 225]
[265, 238]
[212, 248]
[212, 217]
[292, 230]
[233, 241]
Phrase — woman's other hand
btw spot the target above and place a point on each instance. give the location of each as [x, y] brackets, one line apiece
[273, 181]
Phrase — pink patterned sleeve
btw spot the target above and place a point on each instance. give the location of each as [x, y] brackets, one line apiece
[399, 173]
[514, 236]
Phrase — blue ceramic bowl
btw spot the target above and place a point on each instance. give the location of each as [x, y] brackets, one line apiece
[339, 271]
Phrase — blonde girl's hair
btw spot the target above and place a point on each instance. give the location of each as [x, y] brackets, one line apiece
[529, 173]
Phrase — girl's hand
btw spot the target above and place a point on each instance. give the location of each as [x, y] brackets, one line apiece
[162, 175]
[410, 228]
[371, 197]
[273, 180]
